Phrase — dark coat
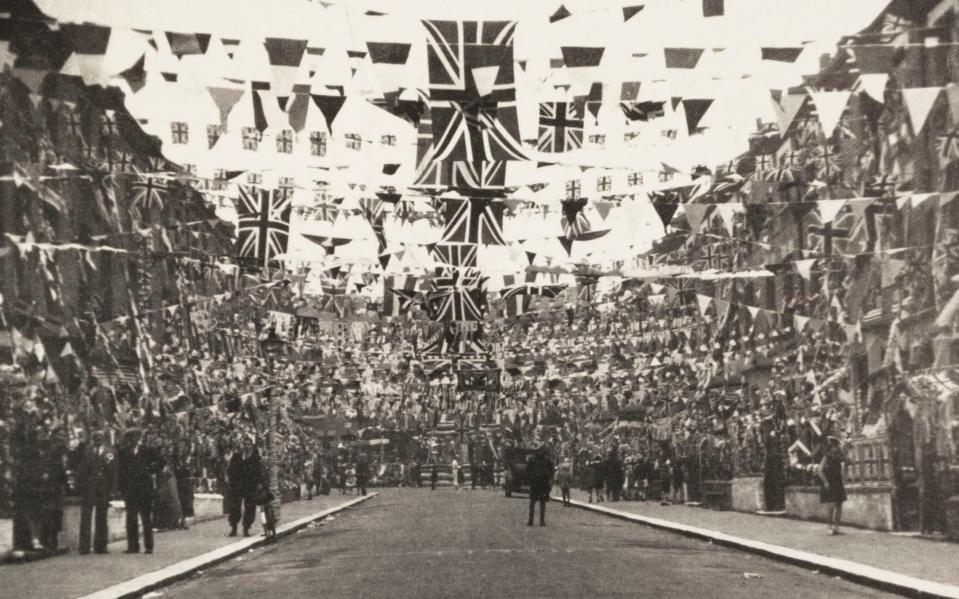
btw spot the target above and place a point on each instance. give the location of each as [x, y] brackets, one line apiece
[244, 474]
[362, 473]
[539, 473]
[96, 474]
[137, 473]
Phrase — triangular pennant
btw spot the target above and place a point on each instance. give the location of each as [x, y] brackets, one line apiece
[829, 107]
[631, 11]
[727, 212]
[704, 302]
[695, 111]
[330, 107]
[919, 102]
[804, 268]
[695, 213]
[603, 208]
[800, 322]
[828, 209]
[786, 110]
[874, 85]
[560, 14]
[485, 78]
[781, 54]
[225, 99]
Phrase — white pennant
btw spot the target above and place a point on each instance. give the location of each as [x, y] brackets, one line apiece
[874, 84]
[919, 102]
[828, 209]
[727, 213]
[804, 267]
[704, 302]
[485, 78]
[829, 106]
[801, 322]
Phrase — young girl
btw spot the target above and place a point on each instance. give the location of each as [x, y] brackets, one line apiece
[833, 491]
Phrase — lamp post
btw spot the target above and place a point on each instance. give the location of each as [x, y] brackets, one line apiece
[272, 347]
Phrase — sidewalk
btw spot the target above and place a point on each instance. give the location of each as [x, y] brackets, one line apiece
[177, 554]
[904, 564]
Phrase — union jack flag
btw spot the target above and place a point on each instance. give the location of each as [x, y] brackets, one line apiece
[469, 123]
[264, 223]
[474, 220]
[457, 295]
[947, 147]
[461, 255]
[149, 194]
[560, 127]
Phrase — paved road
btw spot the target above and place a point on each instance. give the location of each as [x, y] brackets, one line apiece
[413, 543]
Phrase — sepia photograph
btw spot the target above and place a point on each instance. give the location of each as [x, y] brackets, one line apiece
[509, 299]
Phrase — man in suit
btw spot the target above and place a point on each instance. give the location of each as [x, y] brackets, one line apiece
[137, 469]
[96, 479]
[539, 473]
[243, 474]
[362, 475]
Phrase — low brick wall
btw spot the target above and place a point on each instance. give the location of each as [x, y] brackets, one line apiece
[866, 506]
[206, 506]
[748, 495]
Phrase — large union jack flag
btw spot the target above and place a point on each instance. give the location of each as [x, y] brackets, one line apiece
[560, 127]
[474, 220]
[264, 223]
[458, 294]
[472, 94]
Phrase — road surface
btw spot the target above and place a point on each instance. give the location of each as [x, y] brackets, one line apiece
[417, 544]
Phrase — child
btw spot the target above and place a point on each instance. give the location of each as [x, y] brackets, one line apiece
[264, 499]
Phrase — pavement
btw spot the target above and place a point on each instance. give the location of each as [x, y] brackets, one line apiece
[414, 543]
[899, 563]
[177, 554]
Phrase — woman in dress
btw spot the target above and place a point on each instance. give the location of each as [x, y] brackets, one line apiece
[169, 514]
[833, 491]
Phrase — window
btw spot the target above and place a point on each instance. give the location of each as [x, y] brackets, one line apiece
[254, 178]
[251, 138]
[597, 139]
[665, 176]
[354, 141]
[635, 178]
[284, 141]
[212, 135]
[573, 189]
[189, 169]
[669, 133]
[179, 132]
[630, 136]
[388, 140]
[604, 183]
[317, 143]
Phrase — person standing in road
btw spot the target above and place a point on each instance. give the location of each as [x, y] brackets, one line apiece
[137, 470]
[455, 467]
[539, 473]
[833, 491]
[362, 470]
[96, 479]
[243, 474]
[564, 478]
[434, 477]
